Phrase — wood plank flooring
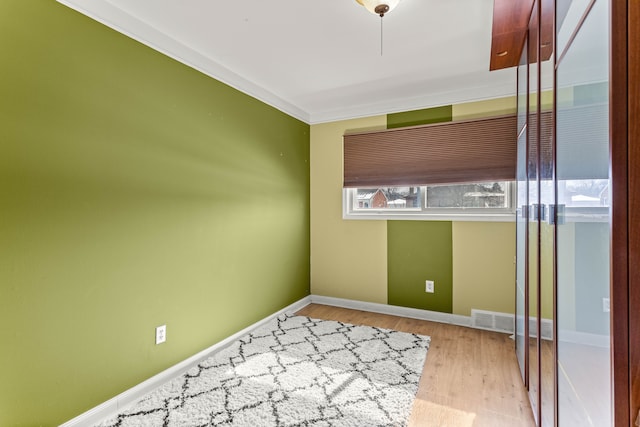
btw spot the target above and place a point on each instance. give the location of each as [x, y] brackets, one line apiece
[470, 377]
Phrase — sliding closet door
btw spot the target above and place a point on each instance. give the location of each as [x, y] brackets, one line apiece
[583, 233]
[546, 161]
[533, 247]
[564, 217]
[522, 327]
[547, 245]
[535, 224]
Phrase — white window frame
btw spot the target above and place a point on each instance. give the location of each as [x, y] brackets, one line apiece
[507, 214]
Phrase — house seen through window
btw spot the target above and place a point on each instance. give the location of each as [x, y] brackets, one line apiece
[492, 195]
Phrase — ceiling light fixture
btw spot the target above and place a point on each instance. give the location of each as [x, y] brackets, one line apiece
[379, 7]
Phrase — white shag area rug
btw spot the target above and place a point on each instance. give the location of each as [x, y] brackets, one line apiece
[293, 371]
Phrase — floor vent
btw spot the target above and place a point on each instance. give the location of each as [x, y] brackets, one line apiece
[546, 327]
[501, 322]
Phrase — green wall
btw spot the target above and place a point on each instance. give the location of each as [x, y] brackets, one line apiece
[425, 116]
[134, 192]
[352, 258]
[419, 251]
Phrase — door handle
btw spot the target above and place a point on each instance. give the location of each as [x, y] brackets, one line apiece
[556, 214]
[537, 211]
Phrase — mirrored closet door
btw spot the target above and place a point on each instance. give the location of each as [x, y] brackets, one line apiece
[583, 244]
[563, 217]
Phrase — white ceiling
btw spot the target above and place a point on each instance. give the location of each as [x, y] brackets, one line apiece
[319, 60]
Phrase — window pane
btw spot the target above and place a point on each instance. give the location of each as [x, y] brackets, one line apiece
[388, 198]
[472, 195]
[584, 192]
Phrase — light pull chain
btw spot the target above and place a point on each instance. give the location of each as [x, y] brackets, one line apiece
[381, 34]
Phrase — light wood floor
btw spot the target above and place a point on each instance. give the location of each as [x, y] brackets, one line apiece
[470, 377]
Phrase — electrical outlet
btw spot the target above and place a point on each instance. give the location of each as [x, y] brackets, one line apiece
[429, 286]
[161, 334]
[606, 305]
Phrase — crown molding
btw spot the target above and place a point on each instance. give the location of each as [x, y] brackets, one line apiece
[119, 20]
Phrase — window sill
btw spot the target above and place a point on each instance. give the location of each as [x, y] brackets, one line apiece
[409, 216]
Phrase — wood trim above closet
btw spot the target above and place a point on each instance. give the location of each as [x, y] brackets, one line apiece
[510, 24]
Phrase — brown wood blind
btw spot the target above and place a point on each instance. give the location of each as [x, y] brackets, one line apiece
[544, 144]
[464, 151]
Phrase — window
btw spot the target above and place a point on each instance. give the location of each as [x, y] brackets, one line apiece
[388, 198]
[465, 170]
[583, 200]
[491, 195]
[484, 201]
[591, 193]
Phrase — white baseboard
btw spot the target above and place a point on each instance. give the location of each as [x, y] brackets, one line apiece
[584, 338]
[394, 310]
[116, 404]
[120, 402]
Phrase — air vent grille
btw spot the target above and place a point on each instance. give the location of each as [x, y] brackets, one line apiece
[501, 322]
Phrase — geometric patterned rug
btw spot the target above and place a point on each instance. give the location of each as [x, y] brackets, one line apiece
[293, 371]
